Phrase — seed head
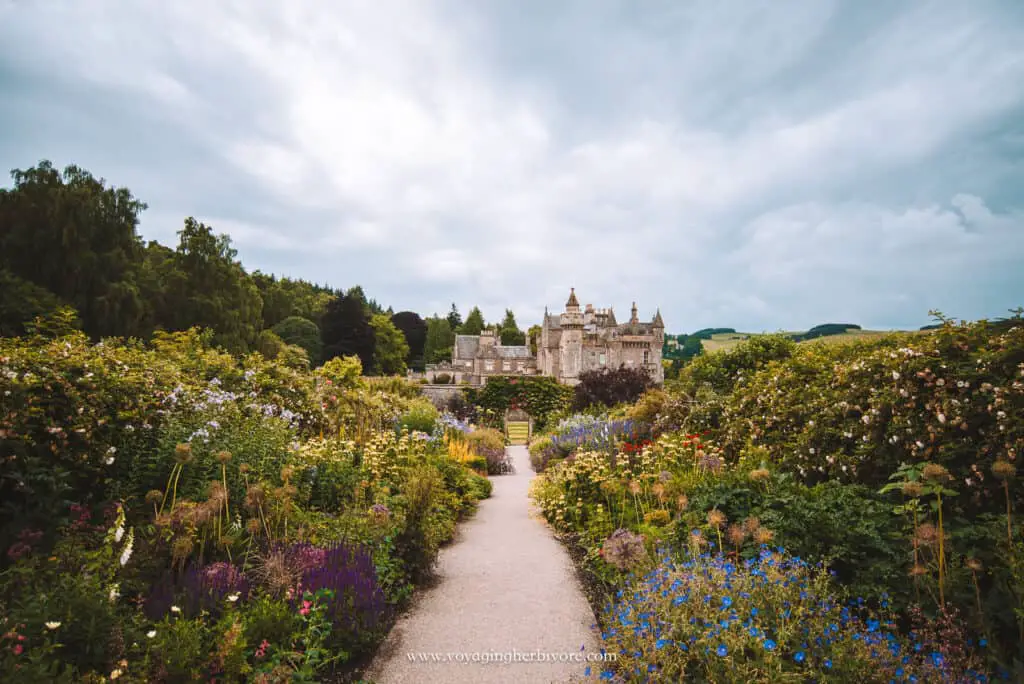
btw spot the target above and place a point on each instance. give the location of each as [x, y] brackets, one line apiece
[763, 535]
[736, 534]
[934, 471]
[912, 489]
[223, 456]
[759, 474]
[183, 453]
[154, 496]
[974, 564]
[1003, 469]
[682, 502]
[716, 518]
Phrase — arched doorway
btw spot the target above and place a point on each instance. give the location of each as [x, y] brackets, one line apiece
[518, 426]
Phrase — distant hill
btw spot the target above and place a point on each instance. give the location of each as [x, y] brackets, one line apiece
[826, 332]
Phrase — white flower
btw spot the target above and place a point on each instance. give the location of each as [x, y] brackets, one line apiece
[115, 674]
[52, 625]
[114, 593]
[126, 553]
[233, 597]
[109, 460]
[175, 609]
[119, 533]
[895, 375]
[151, 633]
[942, 417]
[112, 450]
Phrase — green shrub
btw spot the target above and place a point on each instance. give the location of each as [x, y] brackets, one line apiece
[421, 416]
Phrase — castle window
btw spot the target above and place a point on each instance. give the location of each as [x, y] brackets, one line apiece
[601, 359]
[647, 356]
[506, 365]
[488, 365]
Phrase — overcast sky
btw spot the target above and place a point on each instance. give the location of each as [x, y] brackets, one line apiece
[756, 164]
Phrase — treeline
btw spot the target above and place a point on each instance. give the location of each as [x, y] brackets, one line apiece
[70, 252]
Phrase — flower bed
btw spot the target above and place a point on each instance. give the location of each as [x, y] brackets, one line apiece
[175, 514]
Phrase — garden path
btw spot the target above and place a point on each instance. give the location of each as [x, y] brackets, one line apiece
[504, 584]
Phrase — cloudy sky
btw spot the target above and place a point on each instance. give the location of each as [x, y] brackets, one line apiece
[744, 163]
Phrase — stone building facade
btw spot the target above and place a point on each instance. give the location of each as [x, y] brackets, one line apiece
[575, 341]
[475, 357]
[570, 343]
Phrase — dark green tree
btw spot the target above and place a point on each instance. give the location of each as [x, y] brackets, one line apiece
[454, 317]
[75, 237]
[346, 331]
[20, 303]
[415, 330]
[304, 333]
[474, 324]
[206, 287]
[509, 331]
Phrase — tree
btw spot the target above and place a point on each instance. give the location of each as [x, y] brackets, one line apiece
[610, 387]
[533, 335]
[415, 330]
[390, 348]
[75, 237]
[509, 331]
[20, 303]
[439, 342]
[454, 318]
[207, 287]
[474, 324]
[304, 333]
[346, 331]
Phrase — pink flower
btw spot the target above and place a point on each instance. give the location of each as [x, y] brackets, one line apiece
[18, 649]
[305, 608]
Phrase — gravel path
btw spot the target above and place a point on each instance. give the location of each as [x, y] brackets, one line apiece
[505, 586]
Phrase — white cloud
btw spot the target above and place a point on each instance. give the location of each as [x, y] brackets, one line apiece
[733, 164]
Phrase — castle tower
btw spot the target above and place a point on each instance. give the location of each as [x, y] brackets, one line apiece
[571, 341]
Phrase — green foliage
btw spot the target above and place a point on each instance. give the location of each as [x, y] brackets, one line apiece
[608, 387]
[269, 344]
[74, 236]
[421, 416]
[706, 333]
[301, 332]
[509, 332]
[439, 341]
[342, 371]
[539, 396]
[721, 370]
[414, 329]
[207, 287]
[474, 324]
[390, 349]
[20, 302]
[346, 331]
[825, 330]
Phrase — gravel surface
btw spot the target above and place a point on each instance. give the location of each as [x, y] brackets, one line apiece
[505, 587]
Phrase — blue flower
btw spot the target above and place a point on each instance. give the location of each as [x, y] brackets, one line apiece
[799, 656]
[722, 650]
[828, 663]
[726, 602]
[661, 643]
[769, 645]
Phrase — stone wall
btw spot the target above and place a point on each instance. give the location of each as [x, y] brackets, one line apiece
[440, 394]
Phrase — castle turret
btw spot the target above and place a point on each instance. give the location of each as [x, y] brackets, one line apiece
[571, 341]
[657, 322]
[634, 318]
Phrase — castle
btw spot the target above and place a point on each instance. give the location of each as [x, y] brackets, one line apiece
[574, 342]
[570, 343]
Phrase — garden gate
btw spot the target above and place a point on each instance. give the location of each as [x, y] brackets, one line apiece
[518, 426]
